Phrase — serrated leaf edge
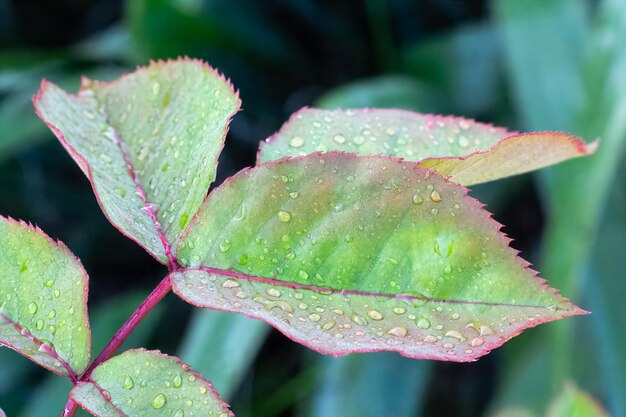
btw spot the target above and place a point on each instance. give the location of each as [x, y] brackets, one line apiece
[183, 365]
[491, 222]
[73, 374]
[84, 165]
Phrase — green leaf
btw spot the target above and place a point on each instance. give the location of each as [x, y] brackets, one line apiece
[572, 402]
[51, 393]
[148, 383]
[43, 299]
[468, 151]
[353, 254]
[222, 346]
[148, 142]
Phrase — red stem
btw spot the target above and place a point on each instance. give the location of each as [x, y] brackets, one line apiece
[122, 334]
[70, 408]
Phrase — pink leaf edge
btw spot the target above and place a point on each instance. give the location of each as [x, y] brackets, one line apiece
[82, 162]
[183, 365]
[61, 246]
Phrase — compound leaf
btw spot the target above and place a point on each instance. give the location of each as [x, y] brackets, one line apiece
[148, 142]
[43, 299]
[469, 151]
[346, 254]
[148, 384]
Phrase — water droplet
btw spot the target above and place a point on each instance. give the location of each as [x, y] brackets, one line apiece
[128, 383]
[158, 401]
[293, 195]
[39, 324]
[314, 317]
[329, 325]
[359, 320]
[303, 274]
[430, 339]
[296, 142]
[398, 331]
[225, 246]
[399, 310]
[423, 323]
[283, 216]
[435, 196]
[463, 142]
[52, 313]
[230, 283]
[455, 335]
[447, 269]
[417, 199]
[49, 283]
[455, 316]
[375, 315]
[477, 341]
[180, 413]
[32, 308]
[273, 292]
[340, 139]
[156, 87]
[203, 389]
[177, 382]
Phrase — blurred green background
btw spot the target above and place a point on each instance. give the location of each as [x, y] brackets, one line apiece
[527, 65]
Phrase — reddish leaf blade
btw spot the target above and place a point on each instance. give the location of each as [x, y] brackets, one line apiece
[148, 142]
[43, 299]
[469, 151]
[352, 254]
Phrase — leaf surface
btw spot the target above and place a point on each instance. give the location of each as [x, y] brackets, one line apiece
[148, 384]
[469, 151]
[43, 299]
[148, 142]
[353, 254]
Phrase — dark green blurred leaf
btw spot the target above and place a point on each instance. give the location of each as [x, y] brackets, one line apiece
[371, 385]
[465, 65]
[570, 76]
[385, 92]
[222, 346]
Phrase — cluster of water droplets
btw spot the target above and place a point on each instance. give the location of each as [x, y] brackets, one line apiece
[391, 132]
[158, 384]
[345, 321]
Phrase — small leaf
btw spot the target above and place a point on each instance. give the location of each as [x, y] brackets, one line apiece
[468, 151]
[572, 402]
[148, 142]
[353, 254]
[148, 383]
[43, 299]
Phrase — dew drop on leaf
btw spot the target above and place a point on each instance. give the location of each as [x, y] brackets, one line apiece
[158, 401]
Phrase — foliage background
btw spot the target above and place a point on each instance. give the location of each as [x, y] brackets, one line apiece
[531, 65]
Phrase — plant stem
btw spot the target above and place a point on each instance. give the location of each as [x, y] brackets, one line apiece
[70, 408]
[122, 334]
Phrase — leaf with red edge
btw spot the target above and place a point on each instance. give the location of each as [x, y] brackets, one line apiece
[148, 384]
[468, 151]
[43, 299]
[148, 142]
[345, 254]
